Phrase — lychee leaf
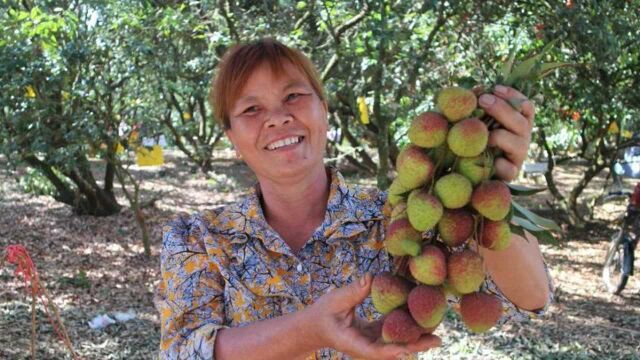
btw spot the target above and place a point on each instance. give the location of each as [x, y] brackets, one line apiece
[547, 68]
[508, 65]
[520, 190]
[526, 224]
[545, 237]
[538, 220]
[517, 230]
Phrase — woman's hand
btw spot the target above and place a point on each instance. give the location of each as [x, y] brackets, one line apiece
[338, 326]
[515, 135]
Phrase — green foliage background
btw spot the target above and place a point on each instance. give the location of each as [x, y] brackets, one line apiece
[72, 73]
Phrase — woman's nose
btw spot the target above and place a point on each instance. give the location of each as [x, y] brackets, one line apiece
[279, 117]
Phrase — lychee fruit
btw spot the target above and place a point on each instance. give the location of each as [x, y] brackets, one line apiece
[427, 305]
[480, 311]
[455, 227]
[465, 272]
[456, 103]
[442, 156]
[430, 266]
[477, 168]
[428, 130]
[423, 209]
[414, 167]
[492, 199]
[396, 192]
[402, 239]
[389, 291]
[496, 235]
[453, 190]
[468, 137]
[399, 327]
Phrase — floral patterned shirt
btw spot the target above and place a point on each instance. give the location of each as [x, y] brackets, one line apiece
[227, 267]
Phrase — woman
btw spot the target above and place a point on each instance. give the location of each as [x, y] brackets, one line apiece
[285, 273]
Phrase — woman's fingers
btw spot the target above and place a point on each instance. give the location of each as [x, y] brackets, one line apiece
[514, 146]
[505, 169]
[505, 114]
[425, 342]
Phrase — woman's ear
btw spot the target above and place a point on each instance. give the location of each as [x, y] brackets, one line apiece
[230, 135]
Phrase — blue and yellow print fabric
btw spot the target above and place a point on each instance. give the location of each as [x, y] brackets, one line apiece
[227, 267]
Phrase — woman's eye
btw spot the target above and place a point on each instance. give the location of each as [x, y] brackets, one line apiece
[250, 109]
[293, 96]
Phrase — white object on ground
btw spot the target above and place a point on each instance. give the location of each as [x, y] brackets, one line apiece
[124, 316]
[101, 321]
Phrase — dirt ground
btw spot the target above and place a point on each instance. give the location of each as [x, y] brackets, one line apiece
[94, 266]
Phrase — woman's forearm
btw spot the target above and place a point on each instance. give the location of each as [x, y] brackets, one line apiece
[519, 272]
[290, 336]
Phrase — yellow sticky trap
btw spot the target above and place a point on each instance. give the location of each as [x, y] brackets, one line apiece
[144, 157]
[119, 148]
[29, 92]
[627, 134]
[613, 128]
[364, 112]
[186, 115]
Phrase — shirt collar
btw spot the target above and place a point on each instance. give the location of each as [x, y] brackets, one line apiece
[347, 208]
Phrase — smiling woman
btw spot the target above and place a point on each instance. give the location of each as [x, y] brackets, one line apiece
[285, 272]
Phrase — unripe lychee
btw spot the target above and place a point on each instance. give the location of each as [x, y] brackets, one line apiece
[430, 266]
[477, 168]
[480, 311]
[496, 235]
[442, 156]
[389, 291]
[396, 192]
[455, 227]
[453, 190]
[456, 103]
[427, 305]
[423, 209]
[465, 272]
[468, 138]
[414, 166]
[492, 199]
[399, 327]
[428, 130]
[402, 239]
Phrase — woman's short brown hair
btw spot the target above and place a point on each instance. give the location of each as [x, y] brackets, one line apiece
[241, 60]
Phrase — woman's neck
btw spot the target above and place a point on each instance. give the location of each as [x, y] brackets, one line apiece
[296, 208]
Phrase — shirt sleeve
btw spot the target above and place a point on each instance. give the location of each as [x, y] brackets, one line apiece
[190, 294]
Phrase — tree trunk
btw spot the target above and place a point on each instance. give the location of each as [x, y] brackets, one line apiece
[381, 121]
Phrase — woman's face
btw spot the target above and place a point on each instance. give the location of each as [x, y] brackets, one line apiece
[279, 124]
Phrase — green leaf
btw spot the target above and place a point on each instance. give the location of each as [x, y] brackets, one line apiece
[518, 230]
[508, 65]
[520, 190]
[545, 237]
[526, 224]
[547, 68]
[536, 219]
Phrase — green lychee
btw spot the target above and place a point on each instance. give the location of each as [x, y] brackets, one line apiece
[400, 210]
[414, 167]
[427, 305]
[453, 190]
[468, 137]
[496, 235]
[456, 103]
[456, 227]
[492, 199]
[480, 311]
[423, 209]
[477, 169]
[465, 272]
[402, 239]
[389, 291]
[396, 192]
[430, 266]
[428, 130]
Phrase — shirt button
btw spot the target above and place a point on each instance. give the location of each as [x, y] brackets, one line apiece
[299, 267]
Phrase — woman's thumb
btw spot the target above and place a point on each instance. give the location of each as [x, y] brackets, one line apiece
[354, 293]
